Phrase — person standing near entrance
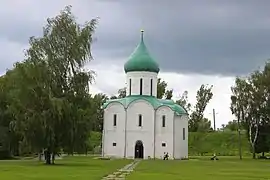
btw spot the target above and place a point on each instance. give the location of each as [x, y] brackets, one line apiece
[166, 156]
[137, 152]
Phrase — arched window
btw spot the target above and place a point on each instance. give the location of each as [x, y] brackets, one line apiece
[114, 119]
[129, 86]
[141, 86]
[140, 120]
[151, 87]
[184, 134]
[163, 121]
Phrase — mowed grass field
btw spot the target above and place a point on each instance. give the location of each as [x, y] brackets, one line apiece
[70, 168]
[83, 167]
[227, 168]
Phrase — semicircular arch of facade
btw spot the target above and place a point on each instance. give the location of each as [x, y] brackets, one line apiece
[164, 105]
[144, 100]
[112, 103]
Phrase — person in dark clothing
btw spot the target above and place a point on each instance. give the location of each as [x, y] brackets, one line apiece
[166, 156]
[214, 157]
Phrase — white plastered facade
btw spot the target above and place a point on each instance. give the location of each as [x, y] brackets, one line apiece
[160, 130]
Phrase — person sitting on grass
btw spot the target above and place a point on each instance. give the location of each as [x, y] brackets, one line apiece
[214, 157]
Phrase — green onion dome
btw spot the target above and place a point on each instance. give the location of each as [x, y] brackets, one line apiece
[140, 60]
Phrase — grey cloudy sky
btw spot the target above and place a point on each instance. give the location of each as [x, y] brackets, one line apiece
[186, 36]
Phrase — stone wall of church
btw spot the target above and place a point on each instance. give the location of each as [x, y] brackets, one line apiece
[133, 83]
[114, 130]
[159, 131]
[181, 137]
[164, 132]
[140, 131]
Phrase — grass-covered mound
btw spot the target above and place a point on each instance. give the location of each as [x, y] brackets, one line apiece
[223, 143]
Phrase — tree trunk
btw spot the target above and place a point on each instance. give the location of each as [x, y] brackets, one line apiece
[48, 160]
[239, 138]
[53, 158]
[48, 157]
[39, 156]
[252, 141]
[253, 153]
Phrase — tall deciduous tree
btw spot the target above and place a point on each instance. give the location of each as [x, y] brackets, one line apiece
[183, 101]
[249, 104]
[161, 88]
[262, 144]
[204, 125]
[97, 114]
[233, 126]
[239, 106]
[50, 100]
[113, 97]
[168, 94]
[204, 95]
[122, 92]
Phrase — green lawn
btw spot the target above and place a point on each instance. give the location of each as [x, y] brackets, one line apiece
[75, 168]
[203, 169]
[81, 167]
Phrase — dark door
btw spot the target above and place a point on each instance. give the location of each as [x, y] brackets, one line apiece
[139, 150]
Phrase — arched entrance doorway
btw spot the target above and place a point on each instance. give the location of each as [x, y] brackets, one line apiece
[139, 149]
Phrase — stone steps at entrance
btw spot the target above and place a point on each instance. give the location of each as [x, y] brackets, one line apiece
[123, 172]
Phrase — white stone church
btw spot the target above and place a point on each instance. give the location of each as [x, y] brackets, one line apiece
[140, 125]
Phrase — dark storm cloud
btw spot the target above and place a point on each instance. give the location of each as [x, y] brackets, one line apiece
[213, 37]
[202, 36]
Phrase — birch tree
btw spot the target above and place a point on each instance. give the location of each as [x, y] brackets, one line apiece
[50, 99]
[247, 104]
[204, 95]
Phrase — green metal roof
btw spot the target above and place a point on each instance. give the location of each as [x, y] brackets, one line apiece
[156, 103]
[140, 60]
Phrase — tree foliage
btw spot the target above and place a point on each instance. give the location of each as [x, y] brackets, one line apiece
[122, 92]
[183, 101]
[250, 104]
[233, 126]
[45, 99]
[97, 112]
[197, 120]
[161, 88]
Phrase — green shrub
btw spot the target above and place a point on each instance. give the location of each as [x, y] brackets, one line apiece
[4, 154]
